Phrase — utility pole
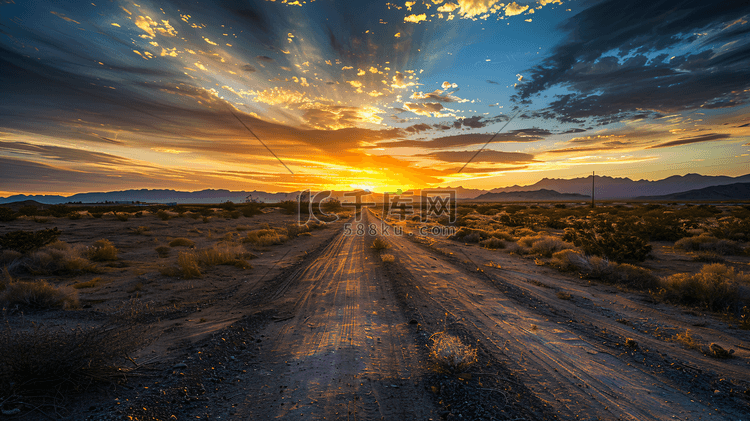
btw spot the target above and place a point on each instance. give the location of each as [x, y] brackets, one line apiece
[593, 177]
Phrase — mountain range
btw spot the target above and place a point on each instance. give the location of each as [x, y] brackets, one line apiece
[605, 187]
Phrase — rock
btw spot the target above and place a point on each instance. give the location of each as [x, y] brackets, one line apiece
[720, 352]
[180, 365]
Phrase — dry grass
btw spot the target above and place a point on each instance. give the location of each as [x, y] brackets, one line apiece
[36, 295]
[387, 258]
[189, 262]
[163, 251]
[102, 251]
[709, 243]
[264, 237]
[716, 287]
[379, 244]
[451, 353]
[58, 258]
[564, 295]
[687, 340]
[181, 242]
[88, 284]
[141, 230]
[546, 246]
[492, 243]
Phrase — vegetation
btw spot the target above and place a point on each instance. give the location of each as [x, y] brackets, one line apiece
[387, 258]
[716, 287]
[607, 239]
[102, 251]
[181, 242]
[451, 353]
[35, 295]
[264, 237]
[26, 241]
[189, 263]
[379, 244]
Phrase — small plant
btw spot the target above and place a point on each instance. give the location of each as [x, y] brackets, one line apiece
[181, 242]
[141, 230]
[716, 287]
[709, 243]
[57, 258]
[451, 353]
[546, 246]
[121, 216]
[387, 258]
[379, 244]
[492, 243]
[264, 237]
[718, 352]
[36, 295]
[163, 251]
[564, 295]
[687, 340]
[88, 284]
[26, 241]
[135, 288]
[163, 215]
[103, 250]
[631, 343]
[74, 216]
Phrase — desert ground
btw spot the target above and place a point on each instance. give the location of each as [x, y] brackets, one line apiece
[533, 311]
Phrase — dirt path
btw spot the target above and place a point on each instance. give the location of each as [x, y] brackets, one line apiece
[343, 352]
[575, 374]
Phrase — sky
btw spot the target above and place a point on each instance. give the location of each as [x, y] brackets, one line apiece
[289, 95]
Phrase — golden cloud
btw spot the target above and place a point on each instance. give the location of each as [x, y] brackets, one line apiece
[514, 9]
[415, 18]
[426, 109]
[152, 27]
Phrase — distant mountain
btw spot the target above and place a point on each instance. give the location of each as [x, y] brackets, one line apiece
[535, 195]
[736, 191]
[157, 196]
[623, 188]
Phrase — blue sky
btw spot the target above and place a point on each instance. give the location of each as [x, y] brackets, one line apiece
[287, 95]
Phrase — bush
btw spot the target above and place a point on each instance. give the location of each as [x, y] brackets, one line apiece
[264, 237]
[163, 251]
[57, 258]
[26, 241]
[251, 210]
[41, 361]
[141, 230]
[88, 284]
[451, 353]
[6, 215]
[492, 243]
[709, 243]
[614, 273]
[379, 244]
[546, 246]
[9, 256]
[470, 235]
[181, 242]
[163, 215]
[613, 241]
[36, 295]
[716, 287]
[123, 217]
[102, 251]
[189, 262]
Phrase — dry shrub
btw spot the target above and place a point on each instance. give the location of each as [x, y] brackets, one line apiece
[58, 258]
[189, 262]
[597, 268]
[546, 246]
[451, 353]
[103, 250]
[564, 295]
[492, 243]
[709, 243]
[502, 235]
[470, 235]
[686, 340]
[9, 256]
[163, 251]
[387, 258]
[36, 295]
[264, 237]
[293, 230]
[163, 215]
[41, 361]
[379, 244]
[181, 242]
[716, 287]
[568, 260]
[141, 230]
[88, 284]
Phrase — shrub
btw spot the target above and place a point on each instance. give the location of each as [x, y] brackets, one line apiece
[569, 260]
[163, 251]
[42, 361]
[492, 243]
[606, 239]
[293, 230]
[6, 215]
[387, 258]
[163, 215]
[37, 295]
[379, 244]
[709, 243]
[189, 262]
[88, 284]
[716, 287]
[451, 353]
[102, 251]
[470, 235]
[121, 216]
[546, 246]
[564, 295]
[686, 340]
[57, 258]
[26, 241]
[250, 210]
[181, 242]
[141, 230]
[9, 256]
[264, 237]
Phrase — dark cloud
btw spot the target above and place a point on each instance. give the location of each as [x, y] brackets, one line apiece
[248, 68]
[59, 153]
[492, 82]
[695, 139]
[609, 88]
[477, 122]
[264, 58]
[481, 170]
[575, 130]
[461, 140]
[418, 128]
[483, 156]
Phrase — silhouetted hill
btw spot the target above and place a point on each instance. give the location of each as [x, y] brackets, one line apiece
[536, 195]
[737, 191]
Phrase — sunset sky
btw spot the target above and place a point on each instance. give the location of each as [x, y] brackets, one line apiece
[113, 95]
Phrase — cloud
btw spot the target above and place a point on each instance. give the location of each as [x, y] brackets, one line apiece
[694, 139]
[483, 156]
[514, 9]
[426, 109]
[492, 82]
[472, 8]
[437, 95]
[152, 27]
[264, 59]
[461, 140]
[608, 88]
[414, 18]
[248, 68]
[418, 128]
